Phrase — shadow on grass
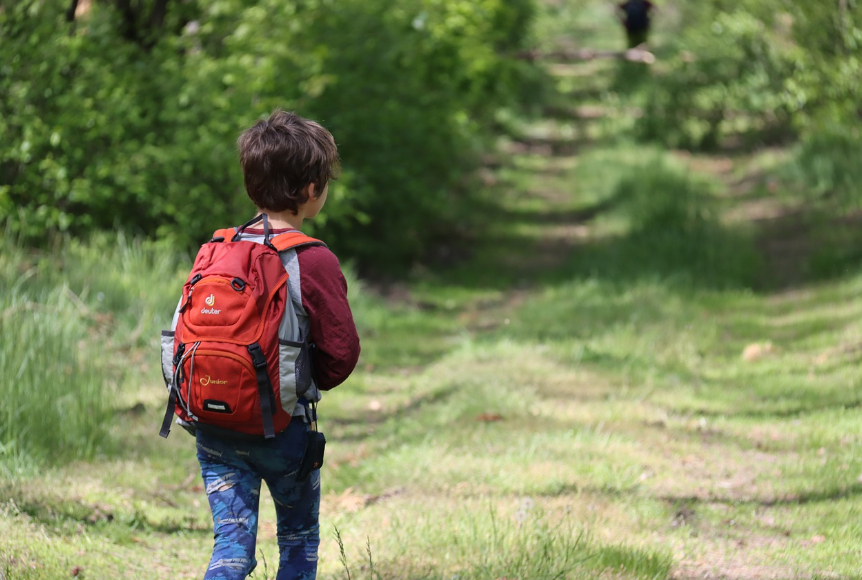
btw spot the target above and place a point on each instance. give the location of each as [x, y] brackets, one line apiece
[551, 146]
[355, 428]
[809, 246]
[768, 411]
[579, 216]
[59, 513]
[669, 230]
[672, 233]
[828, 494]
[709, 256]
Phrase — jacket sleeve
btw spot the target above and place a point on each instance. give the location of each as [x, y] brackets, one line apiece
[331, 326]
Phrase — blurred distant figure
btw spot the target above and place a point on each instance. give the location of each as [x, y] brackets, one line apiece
[635, 16]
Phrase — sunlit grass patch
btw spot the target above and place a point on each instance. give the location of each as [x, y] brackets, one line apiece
[30, 550]
[478, 419]
[487, 539]
[823, 536]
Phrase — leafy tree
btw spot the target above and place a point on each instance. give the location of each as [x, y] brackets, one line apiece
[127, 115]
[757, 66]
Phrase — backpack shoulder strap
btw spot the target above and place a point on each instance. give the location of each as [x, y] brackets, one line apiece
[289, 240]
[226, 233]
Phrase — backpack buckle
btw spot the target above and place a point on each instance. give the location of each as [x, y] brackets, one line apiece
[257, 358]
[181, 349]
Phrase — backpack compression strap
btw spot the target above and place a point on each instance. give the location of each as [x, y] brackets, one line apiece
[225, 234]
[289, 240]
[281, 242]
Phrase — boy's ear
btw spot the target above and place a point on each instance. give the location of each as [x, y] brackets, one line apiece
[311, 190]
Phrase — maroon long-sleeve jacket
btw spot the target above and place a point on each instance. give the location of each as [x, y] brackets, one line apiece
[331, 326]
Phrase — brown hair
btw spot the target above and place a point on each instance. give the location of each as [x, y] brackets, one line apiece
[281, 156]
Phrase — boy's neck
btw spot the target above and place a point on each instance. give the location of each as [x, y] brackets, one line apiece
[283, 220]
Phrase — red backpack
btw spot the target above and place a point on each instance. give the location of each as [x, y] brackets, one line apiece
[227, 358]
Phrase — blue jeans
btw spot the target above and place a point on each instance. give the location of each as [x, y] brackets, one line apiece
[232, 472]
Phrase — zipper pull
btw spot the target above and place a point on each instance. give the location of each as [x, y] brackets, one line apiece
[188, 300]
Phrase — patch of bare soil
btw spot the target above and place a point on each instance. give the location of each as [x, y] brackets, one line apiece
[723, 552]
[555, 246]
[720, 555]
[576, 386]
[756, 210]
[731, 569]
[718, 165]
[547, 146]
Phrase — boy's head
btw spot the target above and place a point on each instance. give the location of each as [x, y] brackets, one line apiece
[282, 156]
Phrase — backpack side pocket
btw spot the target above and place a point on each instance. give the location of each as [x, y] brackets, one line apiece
[167, 344]
[294, 369]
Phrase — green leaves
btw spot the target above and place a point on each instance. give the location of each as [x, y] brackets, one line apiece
[756, 67]
[102, 125]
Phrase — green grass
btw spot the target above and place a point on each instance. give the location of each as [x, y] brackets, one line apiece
[566, 399]
[74, 323]
[610, 429]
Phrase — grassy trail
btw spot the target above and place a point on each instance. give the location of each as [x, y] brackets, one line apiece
[582, 397]
[519, 416]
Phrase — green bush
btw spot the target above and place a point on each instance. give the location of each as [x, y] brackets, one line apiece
[824, 173]
[109, 122]
[766, 69]
[827, 166]
[726, 75]
[412, 100]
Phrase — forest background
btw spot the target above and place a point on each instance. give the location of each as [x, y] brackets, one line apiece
[667, 257]
[127, 115]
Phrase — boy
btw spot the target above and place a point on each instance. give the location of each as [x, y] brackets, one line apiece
[635, 16]
[287, 162]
